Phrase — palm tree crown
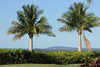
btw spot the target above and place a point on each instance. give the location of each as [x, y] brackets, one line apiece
[77, 19]
[30, 23]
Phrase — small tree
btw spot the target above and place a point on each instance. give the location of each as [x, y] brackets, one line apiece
[76, 19]
[29, 23]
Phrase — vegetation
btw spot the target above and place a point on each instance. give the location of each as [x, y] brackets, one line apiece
[97, 54]
[17, 56]
[38, 65]
[76, 19]
[89, 1]
[29, 24]
[95, 64]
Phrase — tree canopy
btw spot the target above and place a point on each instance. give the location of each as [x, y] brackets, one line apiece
[30, 23]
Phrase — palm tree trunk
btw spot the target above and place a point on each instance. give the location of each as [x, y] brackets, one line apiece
[31, 44]
[79, 42]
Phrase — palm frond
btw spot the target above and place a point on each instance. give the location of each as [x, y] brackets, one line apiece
[87, 43]
[12, 30]
[65, 29]
[42, 20]
[89, 2]
[62, 21]
[86, 9]
[88, 29]
[83, 26]
[18, 36]
[95, 24]
[45, 28]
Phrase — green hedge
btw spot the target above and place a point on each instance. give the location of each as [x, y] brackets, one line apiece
[16, 56]
[72, 57]
[97, 53]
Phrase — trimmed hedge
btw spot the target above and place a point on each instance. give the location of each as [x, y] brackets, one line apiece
[97, 53]
[17, 56]
[72, 57]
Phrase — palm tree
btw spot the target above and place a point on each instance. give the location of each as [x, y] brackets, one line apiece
[77, 19]
[30, 23]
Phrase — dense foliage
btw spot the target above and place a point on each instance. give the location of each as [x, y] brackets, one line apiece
[16, 56]
[95, 64]
[72, 57]
[97, 53]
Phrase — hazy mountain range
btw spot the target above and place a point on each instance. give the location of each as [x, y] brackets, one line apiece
[58, 48]
[62, 48]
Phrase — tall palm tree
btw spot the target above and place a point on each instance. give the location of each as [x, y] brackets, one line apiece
[77, 19]
[30, 23]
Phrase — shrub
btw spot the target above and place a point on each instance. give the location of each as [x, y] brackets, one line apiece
[18, 56]
[74, 57]
[95, 64]
[96, 53]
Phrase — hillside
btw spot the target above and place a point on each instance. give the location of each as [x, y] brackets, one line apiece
[62, 48]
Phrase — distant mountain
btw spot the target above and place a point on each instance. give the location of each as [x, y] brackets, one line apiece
[62, 48]
[57, 48]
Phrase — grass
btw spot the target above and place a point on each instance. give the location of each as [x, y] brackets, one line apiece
[38, 65]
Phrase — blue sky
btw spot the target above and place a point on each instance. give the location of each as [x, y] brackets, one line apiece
[53, 9]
